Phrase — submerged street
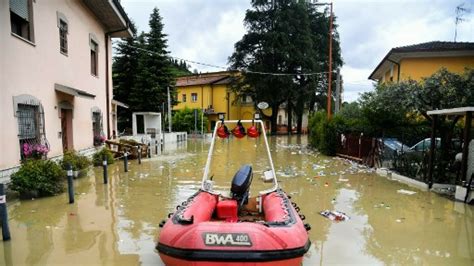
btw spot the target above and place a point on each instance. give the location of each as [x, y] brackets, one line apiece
[116, 224]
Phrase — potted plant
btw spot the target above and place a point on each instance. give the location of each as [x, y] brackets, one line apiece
[99, 140]
[34, 151]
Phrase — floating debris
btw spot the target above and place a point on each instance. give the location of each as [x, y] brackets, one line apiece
[406, 192]
[335, 215]
[343, 180]
[317, 166]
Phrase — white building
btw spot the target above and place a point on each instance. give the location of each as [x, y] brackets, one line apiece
[55, 74]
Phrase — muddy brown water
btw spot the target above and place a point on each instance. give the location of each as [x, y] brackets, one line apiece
[115, 224]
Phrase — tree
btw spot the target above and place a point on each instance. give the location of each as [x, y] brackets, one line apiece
[186, 120]
[179, 68]
[154, 71]
[125, 64]
[281, 39]
[402, 105]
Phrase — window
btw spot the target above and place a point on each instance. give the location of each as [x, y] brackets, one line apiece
[94, 61]
[21, 18]
[97, 127]
[63, 36]
[246, 99]
[31, 132]
[184, 98]
[27, 121]
[194, 97]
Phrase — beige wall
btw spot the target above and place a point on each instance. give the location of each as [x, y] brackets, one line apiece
[33, 69]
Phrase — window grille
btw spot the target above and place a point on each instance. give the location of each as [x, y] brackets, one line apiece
[31, 127]
[63, 31]
[194, 97]
[97, 123]
[97, 128]
[184, 98]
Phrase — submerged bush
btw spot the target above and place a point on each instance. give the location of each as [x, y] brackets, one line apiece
[98, 157]
[38, 178]
[77, 161]
[323, 133]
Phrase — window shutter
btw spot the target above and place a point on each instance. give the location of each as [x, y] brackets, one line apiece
[20, 7]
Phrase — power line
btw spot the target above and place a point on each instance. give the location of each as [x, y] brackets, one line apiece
[225, 68]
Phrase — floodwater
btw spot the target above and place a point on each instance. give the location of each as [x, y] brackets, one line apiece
[116, 224]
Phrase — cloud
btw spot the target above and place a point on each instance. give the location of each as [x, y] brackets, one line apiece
[200, 30]
[206, 31]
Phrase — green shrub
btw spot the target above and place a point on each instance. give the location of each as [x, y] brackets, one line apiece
[98, 157]
[323, 133]
[77, 161]
[183, 120]
[38, 178]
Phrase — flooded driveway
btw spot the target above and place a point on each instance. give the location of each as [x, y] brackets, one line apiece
[115, 224]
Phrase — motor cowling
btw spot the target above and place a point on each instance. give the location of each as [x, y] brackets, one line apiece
[241, 185]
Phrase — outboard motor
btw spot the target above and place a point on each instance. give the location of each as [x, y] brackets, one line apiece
[241, 185]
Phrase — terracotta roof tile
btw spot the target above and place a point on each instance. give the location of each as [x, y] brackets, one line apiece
[224, 77]
[435, 46]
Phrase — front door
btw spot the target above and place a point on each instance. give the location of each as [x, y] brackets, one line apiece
[66, 129]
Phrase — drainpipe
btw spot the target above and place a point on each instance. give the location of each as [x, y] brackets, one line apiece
[228, 106]
[398, 72]
[107, 96]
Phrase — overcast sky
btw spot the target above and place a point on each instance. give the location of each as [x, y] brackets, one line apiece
[206, 30]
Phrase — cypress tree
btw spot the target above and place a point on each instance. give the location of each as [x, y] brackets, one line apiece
[154, 71]
[124, 66]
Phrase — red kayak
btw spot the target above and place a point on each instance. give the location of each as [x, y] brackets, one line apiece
[212, 229]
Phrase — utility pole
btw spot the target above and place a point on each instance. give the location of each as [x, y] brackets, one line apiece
[329, 101]
[169, 111]
[338, 92]
[330, 63]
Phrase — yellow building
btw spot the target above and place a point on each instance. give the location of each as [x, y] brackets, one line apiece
[211, 93]
[422, 60]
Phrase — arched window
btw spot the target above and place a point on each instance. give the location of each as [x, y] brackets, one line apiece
[31, 127]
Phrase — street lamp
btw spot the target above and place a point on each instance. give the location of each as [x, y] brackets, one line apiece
[329, 103]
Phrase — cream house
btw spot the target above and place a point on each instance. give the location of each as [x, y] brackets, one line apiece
[55, 75]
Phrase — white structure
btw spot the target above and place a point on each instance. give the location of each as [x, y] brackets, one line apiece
[146, 123]
[146, 128]
[55, 75]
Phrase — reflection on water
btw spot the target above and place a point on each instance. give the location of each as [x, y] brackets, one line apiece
[115, 224]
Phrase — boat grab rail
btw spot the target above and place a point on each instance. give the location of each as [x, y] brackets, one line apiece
[205, 177]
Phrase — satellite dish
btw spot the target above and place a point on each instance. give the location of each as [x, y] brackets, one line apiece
[262, 105]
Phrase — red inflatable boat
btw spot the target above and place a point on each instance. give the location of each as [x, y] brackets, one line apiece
[212, 229]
